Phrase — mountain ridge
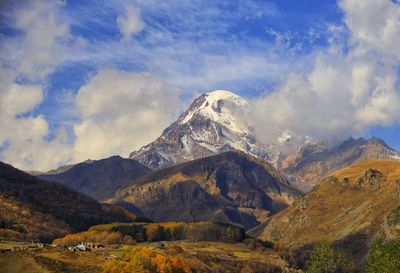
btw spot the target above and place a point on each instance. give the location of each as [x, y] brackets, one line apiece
[99, 179]
[230, 185]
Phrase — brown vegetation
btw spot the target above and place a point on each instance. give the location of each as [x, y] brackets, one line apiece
[33, 209]
[142, 259]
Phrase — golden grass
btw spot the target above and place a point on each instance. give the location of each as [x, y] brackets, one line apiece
[388, 167]
[334, 211]
[17, 263]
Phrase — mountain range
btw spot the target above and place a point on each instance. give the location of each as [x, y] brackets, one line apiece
[215, 123]
[209, 165]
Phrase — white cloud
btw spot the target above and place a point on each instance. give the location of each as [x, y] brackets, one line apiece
[122, 111]
[130, 22]
[25, 136]
[32, 54]
[41, 47]
[346, 92]
[374, 25]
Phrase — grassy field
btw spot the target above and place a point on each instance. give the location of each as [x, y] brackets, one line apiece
[202, 256]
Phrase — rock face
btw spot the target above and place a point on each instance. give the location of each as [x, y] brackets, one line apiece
[99, 179]
[360, 201]
[311, 162]
[212, 124]
[231, 187]
[33, 209]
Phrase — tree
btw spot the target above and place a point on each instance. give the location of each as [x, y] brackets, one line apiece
[326, 259]
[384, 257]
[155, 233]
[137, 232]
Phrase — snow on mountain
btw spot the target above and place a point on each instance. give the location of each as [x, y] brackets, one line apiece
[213, 123]
[221, 107]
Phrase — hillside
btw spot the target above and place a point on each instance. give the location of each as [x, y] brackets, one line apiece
[350, 206]
[39, 210]
[231, 187]
[99, 179]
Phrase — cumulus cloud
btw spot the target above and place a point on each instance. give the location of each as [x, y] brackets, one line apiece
[130, 22]
[122, 111]
[23, 136]
[346, 92]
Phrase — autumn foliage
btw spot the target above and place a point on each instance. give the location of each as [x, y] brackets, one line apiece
[142, 259]
[94, 236]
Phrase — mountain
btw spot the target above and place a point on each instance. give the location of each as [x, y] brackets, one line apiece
[212, 124]
[350, 206]
[34, 209]
[312, 161]
[99, 179]
[230, 187]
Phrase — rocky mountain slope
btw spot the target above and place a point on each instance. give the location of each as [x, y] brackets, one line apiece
[212, 124]
[230, 187]
[350, 206]
[311, 162]
[99, 179]
[39, 210]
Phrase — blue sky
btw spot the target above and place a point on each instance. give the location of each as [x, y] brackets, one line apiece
[250, 47]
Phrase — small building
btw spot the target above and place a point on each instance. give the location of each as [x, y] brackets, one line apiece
[83, 247]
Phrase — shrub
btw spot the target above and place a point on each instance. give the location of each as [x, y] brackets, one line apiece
[143, 260]
[326, 259]
[384, 257]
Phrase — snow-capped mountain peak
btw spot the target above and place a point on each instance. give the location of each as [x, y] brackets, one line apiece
[213, 123]
[220, 106]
